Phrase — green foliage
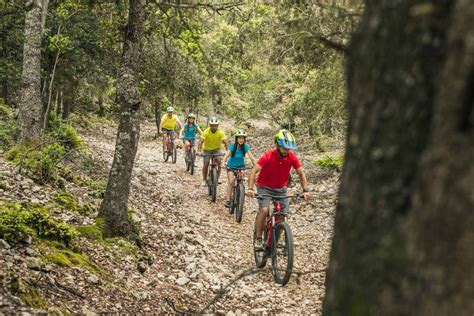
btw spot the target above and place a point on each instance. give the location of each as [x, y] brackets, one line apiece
[67, 201]
[97, 188]
[93, 232]
[17, 222]
[64, 133]
[330, 163]
[39, 162]
[8, 126]
[29, 295]
[62, 256]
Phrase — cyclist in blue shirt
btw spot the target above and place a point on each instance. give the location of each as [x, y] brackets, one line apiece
[235, 158]
[189, 130]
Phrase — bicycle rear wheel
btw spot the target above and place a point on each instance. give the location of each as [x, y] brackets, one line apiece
[240, 198]
[282, 253]
[214, 184]
[260, 255]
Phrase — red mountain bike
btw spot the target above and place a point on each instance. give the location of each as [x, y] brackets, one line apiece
[237, 198]
[170, 147]
[278, 241]
[190, 156]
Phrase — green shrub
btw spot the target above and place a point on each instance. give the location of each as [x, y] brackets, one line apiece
[8, 127]
[40, 162]
[17, 222]
[330, 163]
[70, 202]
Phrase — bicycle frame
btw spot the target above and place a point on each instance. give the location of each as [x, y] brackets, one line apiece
[169, 140]
[274, 217]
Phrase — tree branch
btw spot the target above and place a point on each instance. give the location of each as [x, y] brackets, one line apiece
[215, 7]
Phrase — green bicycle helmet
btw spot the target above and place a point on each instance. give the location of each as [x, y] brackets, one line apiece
[285, 139]
[214, 121]
[240, 132]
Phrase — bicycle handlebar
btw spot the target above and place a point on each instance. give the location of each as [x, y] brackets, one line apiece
[273, 197]
[236, 169]
[210, 155]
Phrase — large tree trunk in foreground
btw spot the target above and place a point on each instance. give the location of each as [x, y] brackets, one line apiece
[114, 207]
[31, 106]
[403, 241]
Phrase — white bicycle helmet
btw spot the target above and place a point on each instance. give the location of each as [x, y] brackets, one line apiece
[214, 121]
[170, 109]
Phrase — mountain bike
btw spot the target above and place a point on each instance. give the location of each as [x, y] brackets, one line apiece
[278, 241]
[170, 147]
[190, 156]
[237, 198]
[212, 178]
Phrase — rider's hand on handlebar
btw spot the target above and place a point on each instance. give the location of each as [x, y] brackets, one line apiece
[250, 193]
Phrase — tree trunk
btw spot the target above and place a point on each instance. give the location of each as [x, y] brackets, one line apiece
[31, 106]
[101, 111]
[59, 102]
[157, 117]
[403, 232]
[114, 207]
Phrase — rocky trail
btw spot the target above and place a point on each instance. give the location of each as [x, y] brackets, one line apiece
[193, 248]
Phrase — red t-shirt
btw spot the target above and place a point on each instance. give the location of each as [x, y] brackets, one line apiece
[275, 170]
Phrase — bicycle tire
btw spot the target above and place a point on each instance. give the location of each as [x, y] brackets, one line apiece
[174, 152]
[191, 161]
[166, 156]
[239, 208]
[281, 270]
[214, 184]
[259, 255]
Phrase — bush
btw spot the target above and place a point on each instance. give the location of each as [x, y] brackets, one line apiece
[70, 202]
[40, 162]
[17, 222]
[330, 163]
[64, 133]
[8, 127]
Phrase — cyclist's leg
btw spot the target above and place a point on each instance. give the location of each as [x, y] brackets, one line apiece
[230, 182]
[263, 206]
[186, 145]
[205, 167]
[164, 140]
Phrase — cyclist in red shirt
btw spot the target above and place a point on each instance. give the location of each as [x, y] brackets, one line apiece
[273, 170]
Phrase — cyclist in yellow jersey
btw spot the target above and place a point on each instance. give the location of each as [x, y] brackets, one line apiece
[211, 140]
[168, 123]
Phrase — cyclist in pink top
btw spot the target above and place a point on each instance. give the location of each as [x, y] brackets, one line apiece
[273, 170]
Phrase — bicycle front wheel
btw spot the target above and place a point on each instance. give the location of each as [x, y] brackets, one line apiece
[260, 254]
[240, 198]
[174, 152]
[165, 153]
[214, 184]
[192, 158]
[282, 253]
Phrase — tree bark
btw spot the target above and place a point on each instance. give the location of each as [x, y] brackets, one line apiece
[31, 106]
[114, 207]
[403, 231]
